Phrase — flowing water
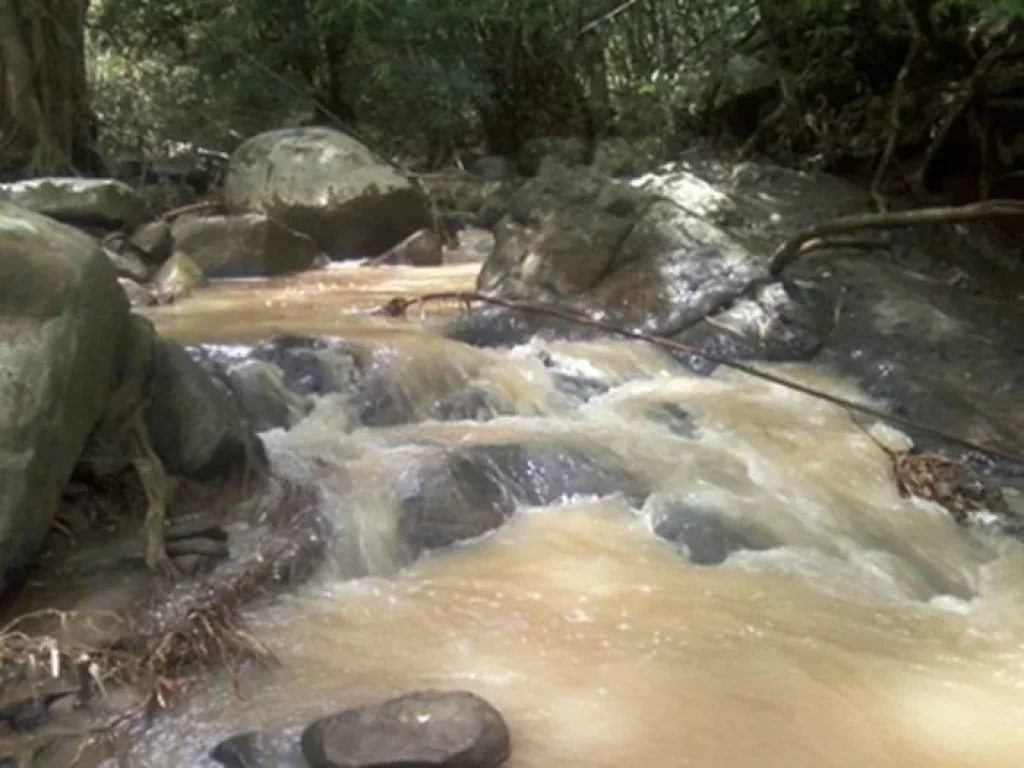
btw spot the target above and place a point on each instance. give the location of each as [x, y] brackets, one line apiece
[878, 634]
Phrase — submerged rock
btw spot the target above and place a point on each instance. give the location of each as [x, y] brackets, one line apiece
[446, 729]
[703, 535]
[62, 317]
[467, 492]
[314, 365]
[259, 749]
[264, 397]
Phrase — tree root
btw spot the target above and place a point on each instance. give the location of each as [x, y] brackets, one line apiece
[156, 485]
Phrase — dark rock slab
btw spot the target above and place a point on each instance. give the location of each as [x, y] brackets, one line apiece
[464, 493]
[431, 729]
[703, 535]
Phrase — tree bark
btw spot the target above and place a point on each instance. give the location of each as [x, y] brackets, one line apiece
[46, 126]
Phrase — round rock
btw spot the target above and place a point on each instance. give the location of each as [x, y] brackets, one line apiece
[454, 729]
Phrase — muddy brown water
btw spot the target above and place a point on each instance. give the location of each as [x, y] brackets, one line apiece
[879, 635]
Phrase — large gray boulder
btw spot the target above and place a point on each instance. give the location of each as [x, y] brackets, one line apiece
[327, 185]
[246, 245]
[62, 318]
[100, 204]
[666, 251]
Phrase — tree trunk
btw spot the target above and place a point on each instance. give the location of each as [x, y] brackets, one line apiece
[46, 126]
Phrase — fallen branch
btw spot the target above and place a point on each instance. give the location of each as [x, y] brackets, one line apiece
[987, 209]
[398, 307]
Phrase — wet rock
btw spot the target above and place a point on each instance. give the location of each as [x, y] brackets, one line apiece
[177, 278]
[422, 248]
[105, 204]
[434, 728]
[936, 355]
[665, 251]
[153, 241]
[325, 184]
[259, 749]
[62, 315]
[703, 535]
[558, 235]
[466, 492]
[246, 245]
[196, 427]
[499, 327]
[673, 416]
[314, 365]
[264, 396]
[472, 404]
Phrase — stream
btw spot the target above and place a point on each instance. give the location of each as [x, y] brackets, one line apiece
[811, 616]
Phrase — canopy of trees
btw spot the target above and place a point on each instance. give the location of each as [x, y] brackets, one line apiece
[893, 88]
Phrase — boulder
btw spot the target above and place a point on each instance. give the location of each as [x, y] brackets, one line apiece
[62, 314]
[259, 749]
[104, 204]
[664, 253]
[263, 396]
[196, 426]
[442, 729]
[422, 248]
[246, 245]
[703, 534]
[456, 495]
[153, 241]
[325, 184]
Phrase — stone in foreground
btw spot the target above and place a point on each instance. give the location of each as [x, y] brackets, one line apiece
[453, 729]
[63, 317]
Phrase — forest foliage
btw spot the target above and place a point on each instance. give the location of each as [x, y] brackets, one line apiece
[804, 80]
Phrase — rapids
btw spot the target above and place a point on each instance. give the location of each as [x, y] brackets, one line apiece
[874, 632]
